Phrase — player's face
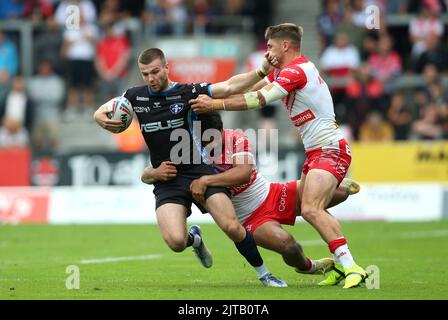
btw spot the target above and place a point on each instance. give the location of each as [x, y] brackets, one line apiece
[275, 49]
[155, 75]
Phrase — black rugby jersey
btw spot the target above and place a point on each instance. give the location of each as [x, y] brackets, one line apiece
[159, 114]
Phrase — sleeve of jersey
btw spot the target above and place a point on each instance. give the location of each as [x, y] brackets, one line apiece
[202, 88]
[290, 79]
[241, 145]
[269, 78]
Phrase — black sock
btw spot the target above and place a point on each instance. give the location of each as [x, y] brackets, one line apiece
[190, 239]
[248, 249]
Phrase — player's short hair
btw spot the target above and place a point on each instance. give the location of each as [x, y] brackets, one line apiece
[285, 31]
[211, 120]
[149, 55]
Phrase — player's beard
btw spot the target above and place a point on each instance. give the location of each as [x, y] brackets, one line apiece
[162, 84]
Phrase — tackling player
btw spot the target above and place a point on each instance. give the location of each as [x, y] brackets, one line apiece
[261, 207]
[307, 99]
[161, 106]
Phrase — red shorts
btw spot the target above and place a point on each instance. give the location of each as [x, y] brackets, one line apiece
[280, 206]
[333, 159]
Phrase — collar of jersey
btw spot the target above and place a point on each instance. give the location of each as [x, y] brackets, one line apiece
[164, 93]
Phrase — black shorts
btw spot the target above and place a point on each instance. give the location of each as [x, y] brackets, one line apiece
[178, 190]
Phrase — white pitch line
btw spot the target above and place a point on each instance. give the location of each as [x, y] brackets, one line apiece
[118, 259]
[425, 234]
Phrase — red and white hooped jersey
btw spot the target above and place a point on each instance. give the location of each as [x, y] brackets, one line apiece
[308, 102]
[248, 197]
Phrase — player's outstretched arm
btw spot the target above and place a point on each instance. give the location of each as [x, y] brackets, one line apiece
[240, 83]
[165, 172]
[103, 120]
[248, 101]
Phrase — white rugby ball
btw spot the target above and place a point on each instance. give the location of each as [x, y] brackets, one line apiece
[120, 109]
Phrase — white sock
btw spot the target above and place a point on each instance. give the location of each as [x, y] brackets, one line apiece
[261, 271]
[313, 267]
[196, 241]
[336, 259]
[344, 256]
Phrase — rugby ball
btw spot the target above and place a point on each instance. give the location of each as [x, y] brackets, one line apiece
[120, 109]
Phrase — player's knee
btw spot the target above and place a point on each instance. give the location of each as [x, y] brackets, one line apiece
[234, 231]
[286, 243]
[176, 244]
[309, 213]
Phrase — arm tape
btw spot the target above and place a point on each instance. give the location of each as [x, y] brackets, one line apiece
[253, 99]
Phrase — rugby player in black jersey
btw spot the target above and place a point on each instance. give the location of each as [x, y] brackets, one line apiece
[166, 121]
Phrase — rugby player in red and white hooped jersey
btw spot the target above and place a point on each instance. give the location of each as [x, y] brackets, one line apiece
[262, 207]
[307, 99]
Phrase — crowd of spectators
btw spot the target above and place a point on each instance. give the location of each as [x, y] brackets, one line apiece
[363, 67]
[85, 59]
[75, 68]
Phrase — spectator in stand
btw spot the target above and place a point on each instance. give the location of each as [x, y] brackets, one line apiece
[399, 116]
[113, 53]
[328, 21]
[431, 123]
[364, 94]
[47, 92]
[79, 51]
[156, 17]
[16, 116]
[359, 15]
[425, 25]
[48, 44]
[12, 9]
[38, 10]
[353, 32]
[375, 129]
[435, 54]
[339, 61]
[86, 8]
[9, 63]
[385, 64]
[200, 10]
[397, 6]
[178, 16]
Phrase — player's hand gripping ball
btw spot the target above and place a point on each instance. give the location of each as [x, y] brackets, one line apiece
[120, 109]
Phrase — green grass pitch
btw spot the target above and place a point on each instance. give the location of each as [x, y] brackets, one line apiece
[411, 257]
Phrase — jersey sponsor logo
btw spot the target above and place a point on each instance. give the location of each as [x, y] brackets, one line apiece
[283, 196]
[162, 125]
[292, 70]
[173, 98]
[156, 105]
[177, 108]
[142, 109]
[203, 84]
[142, 98]
[283, 79]
[303, 118]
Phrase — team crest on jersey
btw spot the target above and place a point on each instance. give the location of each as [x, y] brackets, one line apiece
[177, 108]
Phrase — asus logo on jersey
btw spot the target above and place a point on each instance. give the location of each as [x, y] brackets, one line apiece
[142, 98]
[158, 126]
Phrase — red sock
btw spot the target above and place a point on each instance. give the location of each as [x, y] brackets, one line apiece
[333, 245]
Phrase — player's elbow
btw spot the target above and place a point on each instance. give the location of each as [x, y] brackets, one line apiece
[146, 176]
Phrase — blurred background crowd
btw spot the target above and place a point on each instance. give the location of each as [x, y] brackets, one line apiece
[388, 84]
